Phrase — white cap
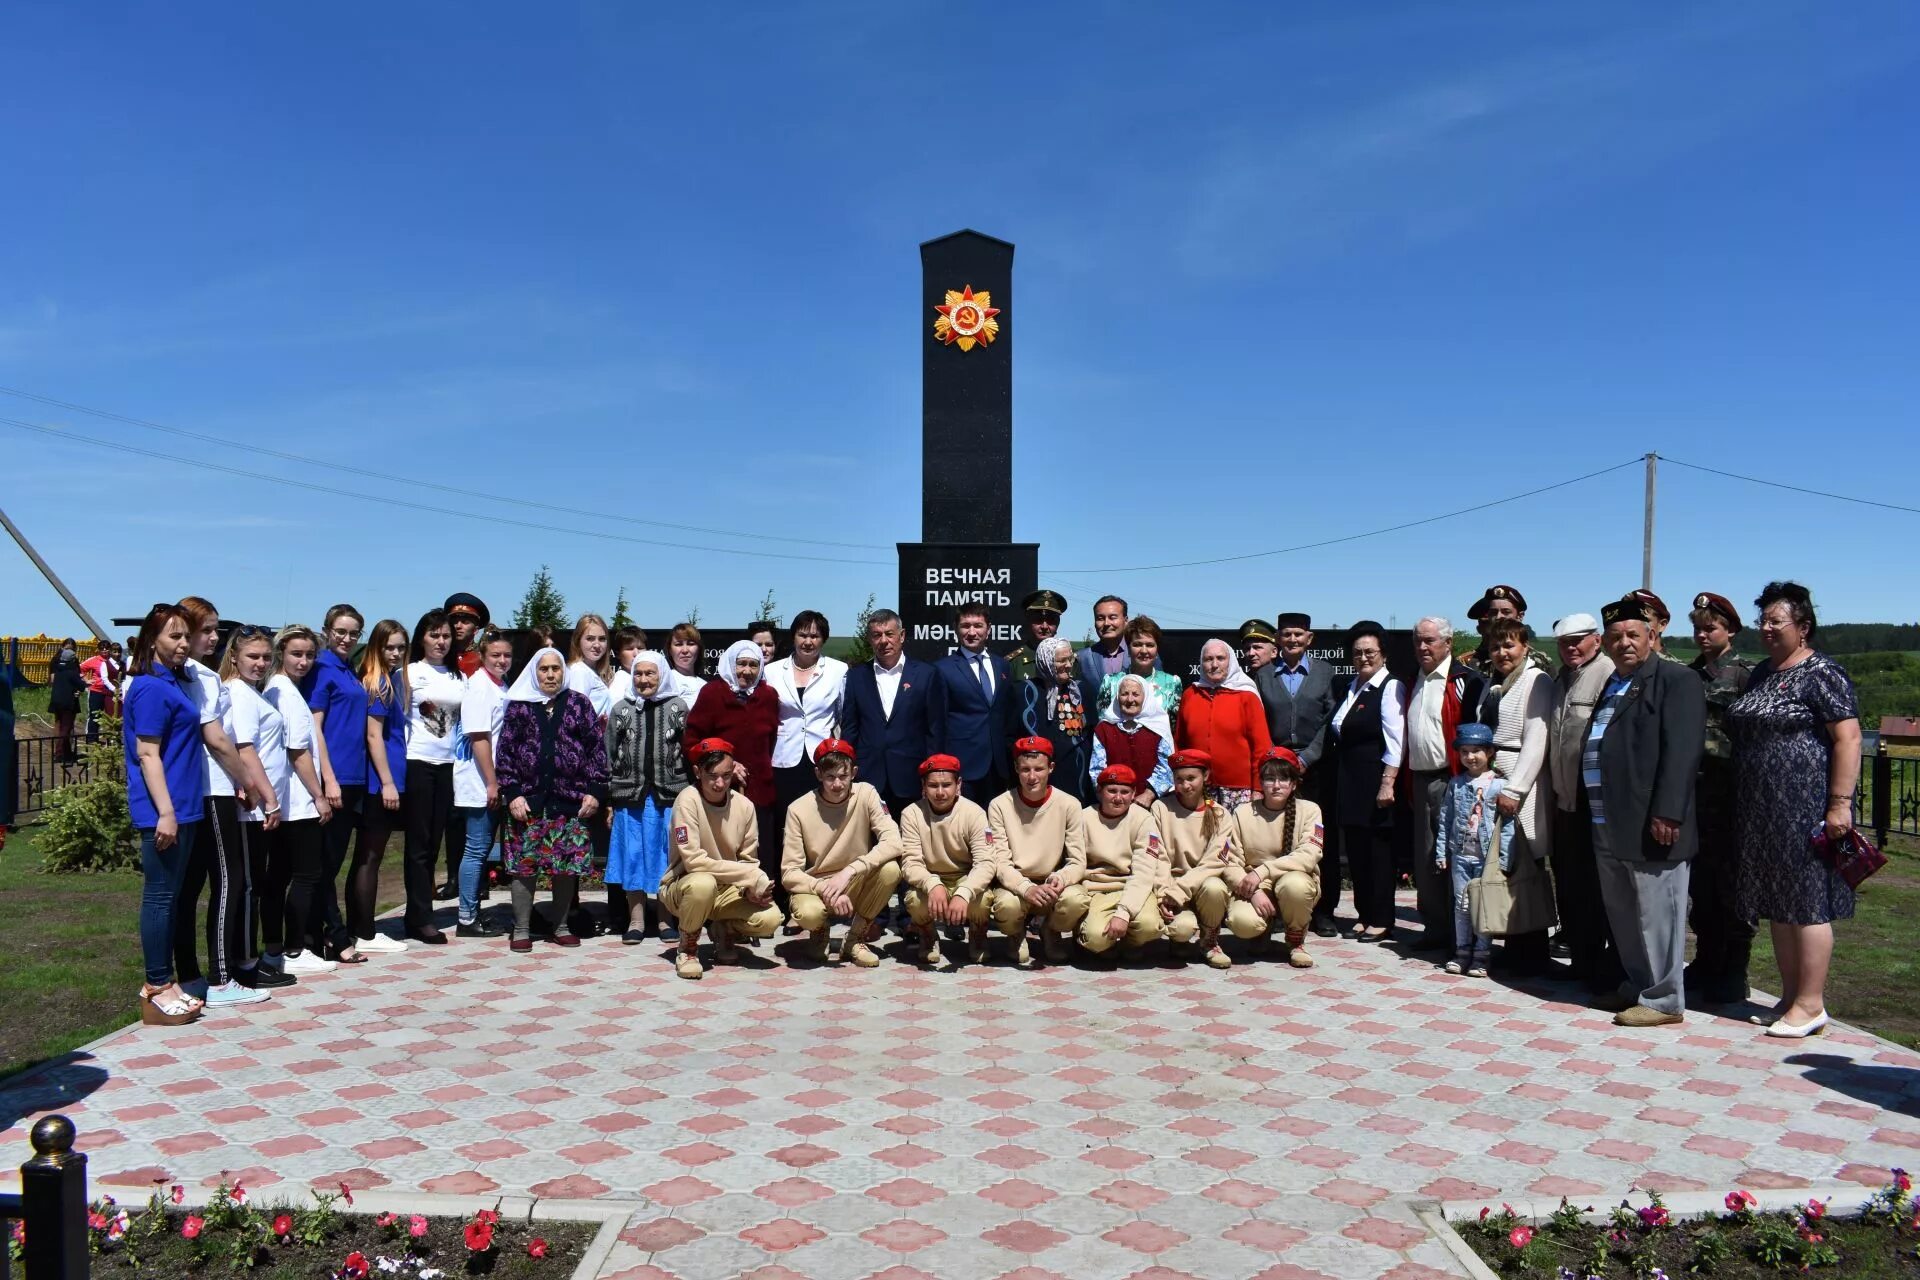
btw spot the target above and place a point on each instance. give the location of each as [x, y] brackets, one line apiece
[1575, 624]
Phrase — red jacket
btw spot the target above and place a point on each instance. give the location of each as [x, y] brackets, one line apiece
[750, 726]
[1231, 726]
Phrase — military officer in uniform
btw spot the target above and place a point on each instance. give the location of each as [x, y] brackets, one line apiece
[1259, 644]
[1043, 620]
[1718, 974]
[1500, 601]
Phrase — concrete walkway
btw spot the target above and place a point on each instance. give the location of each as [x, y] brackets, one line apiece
[781, 1122]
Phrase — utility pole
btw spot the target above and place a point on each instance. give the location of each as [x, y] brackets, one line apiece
[47, 570]
[1646, 539]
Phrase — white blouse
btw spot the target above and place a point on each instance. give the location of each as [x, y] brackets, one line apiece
[1393, 714]
[809, 715]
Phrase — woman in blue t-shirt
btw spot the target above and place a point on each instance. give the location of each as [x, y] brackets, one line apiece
[165, 791]
[383, 674]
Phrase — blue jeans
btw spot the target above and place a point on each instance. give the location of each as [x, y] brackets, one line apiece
[162, 871]
[480, 829]
[1467, 945]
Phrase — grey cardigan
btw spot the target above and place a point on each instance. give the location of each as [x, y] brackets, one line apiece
[629, 727]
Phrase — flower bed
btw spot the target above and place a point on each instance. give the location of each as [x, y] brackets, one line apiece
[235, 1234]
[1651, 1243]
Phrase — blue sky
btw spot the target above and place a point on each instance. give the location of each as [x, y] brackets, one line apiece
[1285, 273]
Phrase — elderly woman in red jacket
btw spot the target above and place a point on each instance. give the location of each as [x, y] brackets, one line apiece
[742, 708]
[1223, 716]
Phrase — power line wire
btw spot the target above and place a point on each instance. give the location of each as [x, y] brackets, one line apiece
[1791, 488]
[1356, 537]
[455, 490]
[116, 446]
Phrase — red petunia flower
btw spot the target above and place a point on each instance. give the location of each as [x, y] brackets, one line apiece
[385, 1220]
[1901, 1181]
[416, 1226]
[355, 1266]
[1484, 1211]
[1740, 1201]
[179, 1194]
[283, 1225]
[536, 1248]
[479, 1237]
[489, 1216]
[347, 1192]
[1654, 1215]
[193, 1226]
[1520, 1237]
[1816, 1210]
[239, 1194]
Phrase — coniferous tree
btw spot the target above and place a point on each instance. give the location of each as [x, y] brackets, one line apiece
[621, 618]
[543, 605]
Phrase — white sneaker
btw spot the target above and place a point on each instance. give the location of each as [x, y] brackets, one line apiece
[380, 944]
[307, 963]
[231, 992]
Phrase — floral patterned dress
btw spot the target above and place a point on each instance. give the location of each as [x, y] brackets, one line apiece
[1781, 754]
[552, 756]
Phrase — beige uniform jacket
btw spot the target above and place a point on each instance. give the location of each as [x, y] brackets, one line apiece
[1257, 835]
[1192, 859]
[1123, 856]
[723, 841]
[1036, 841]
[821, 840]
[939, 846]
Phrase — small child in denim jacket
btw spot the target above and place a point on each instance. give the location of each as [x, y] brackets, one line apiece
[1467, 820]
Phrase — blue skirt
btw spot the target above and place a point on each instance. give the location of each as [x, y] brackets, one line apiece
[637, 855]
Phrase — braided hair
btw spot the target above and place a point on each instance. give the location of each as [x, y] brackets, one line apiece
[1280, 768]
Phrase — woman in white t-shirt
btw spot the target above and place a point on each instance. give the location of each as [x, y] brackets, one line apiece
[433, 732]
[301, 852]
[219, 862]
[476, 791]
[252, 723]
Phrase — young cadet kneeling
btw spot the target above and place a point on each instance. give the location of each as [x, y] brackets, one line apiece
[1278, 839]
[946, 860]
[1125, 866]
[1042, 855]
[713, 875]
[840, 856]
[1197, 835]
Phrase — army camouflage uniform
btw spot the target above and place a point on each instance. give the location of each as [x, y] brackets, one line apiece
[1723, 940]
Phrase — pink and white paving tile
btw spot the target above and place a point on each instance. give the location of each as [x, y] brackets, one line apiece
[1156, 1122]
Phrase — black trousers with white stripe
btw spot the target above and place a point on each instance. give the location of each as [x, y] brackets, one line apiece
[219, 865]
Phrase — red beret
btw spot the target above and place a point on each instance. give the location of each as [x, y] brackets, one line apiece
[709, 747]
[1720, 606]
[939, 764]
[833, 747]
[1659, 606]
[1284, 756]
[1032, 745]
[1119, 773]
[1499, 591]
[1191, 758]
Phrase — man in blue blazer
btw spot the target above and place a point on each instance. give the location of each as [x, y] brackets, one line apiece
[972, 709]
[884, 713]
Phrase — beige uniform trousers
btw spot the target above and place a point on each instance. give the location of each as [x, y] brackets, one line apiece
[1295, 893]
[917, 903]
[869, 893]
[698, 899]
[1101, 907]
[1205, 910]
[1010, 911]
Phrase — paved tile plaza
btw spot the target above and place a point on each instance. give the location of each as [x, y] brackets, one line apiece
[779, 1122]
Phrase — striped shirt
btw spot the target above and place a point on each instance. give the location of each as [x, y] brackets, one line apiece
[1590, 754]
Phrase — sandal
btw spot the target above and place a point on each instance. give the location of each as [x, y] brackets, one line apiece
[159, 1010]
[348, 955]
[1374, 935]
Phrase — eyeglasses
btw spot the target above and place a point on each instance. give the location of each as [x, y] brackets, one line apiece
[345, 634]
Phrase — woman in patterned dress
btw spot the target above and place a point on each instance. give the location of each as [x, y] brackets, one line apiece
[1796, 740]
[552, 768]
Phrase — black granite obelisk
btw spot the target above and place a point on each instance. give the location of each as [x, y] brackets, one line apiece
[966, 443]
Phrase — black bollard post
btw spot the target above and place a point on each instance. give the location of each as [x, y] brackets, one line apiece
[53, 1199]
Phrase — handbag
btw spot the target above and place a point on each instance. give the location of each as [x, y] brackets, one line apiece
[1852, 855]
[1504, 906]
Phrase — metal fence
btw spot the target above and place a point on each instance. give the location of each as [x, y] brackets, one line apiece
[1889, 800]
[50, 1209]
[42, 769]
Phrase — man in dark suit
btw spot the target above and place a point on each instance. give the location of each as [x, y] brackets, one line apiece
[1641, 760]
[1300, 701]
[971, 712]
[884, 713]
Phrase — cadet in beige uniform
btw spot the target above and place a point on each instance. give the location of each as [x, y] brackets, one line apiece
[946, 860]
[840, 855]
[1041, 855]
[1277, 841]
[1125, 866]
[713, 867]
[1195, 832]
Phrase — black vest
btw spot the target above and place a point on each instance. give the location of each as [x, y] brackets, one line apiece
[1359, 745]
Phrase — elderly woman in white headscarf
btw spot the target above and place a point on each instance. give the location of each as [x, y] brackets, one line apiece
[1223, 716]
[1055, 702]
[1133, 731]
[744, 710]
[552, 768]
[646, 772]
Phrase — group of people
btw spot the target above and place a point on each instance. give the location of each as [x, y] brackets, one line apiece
[1064, 798]
[75, 684]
